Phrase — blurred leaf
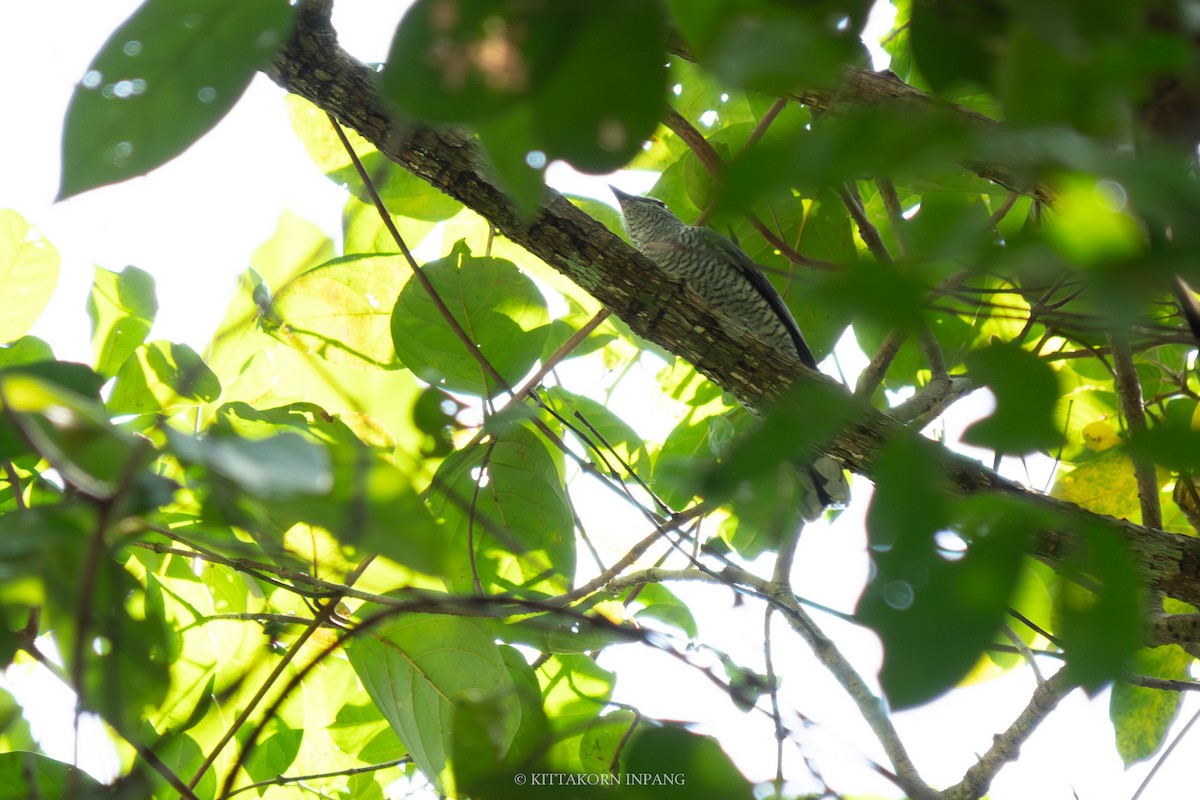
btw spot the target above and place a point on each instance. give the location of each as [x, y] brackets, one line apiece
[28, 274]
[71, 431]
[163, 79]
[954, 44]
[30, 775]
[1026, 391]
[753, 43]
[597, 119]
[162, 377]
[1143, 716]
[1101, 624]
[477, 58]
[937, 610]
[514, 149]
[501, 310]
[1089, 224]
[692, 766]
[277, 467]
[122, 307]
[342, 310]
[26, 350]
[417, 668]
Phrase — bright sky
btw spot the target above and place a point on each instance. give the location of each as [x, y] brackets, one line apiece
[194, 223]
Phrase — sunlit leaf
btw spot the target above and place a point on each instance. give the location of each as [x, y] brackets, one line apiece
[28, 274]
[162, 376]
[342, 310]
[419, 667]
[122, 307]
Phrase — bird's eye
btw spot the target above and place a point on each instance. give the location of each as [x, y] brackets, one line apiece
[657, 202]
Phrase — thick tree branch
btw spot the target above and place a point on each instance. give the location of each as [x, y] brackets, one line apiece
[655, 306]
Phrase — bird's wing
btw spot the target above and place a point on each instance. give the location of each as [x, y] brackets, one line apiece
[754, 275]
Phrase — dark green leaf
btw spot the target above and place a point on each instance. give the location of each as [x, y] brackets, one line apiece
[30, 775]
[937, 610]
[676, 763]
[597, 118]
[1026, 391]
[476, 58]
[161, 81]
[497, 305]
[1101, 624]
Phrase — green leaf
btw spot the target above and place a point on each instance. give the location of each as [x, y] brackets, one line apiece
[586, 414]
[280, 466]
[936, 612]
[25, 775]
[1101, 624]
[419, 667]
[597, 118]
[1027, 393]
[753, 43]
[162, 377]
[271, 756]
[679, 764]
[342, 310]
[519, 519]
[513, 147]
[26, 350]
[1142, 716]
[660, 603]
[68, 429]
[497, 305]
[477, 58]
[121, 307]
[163, 79]
[28, 274]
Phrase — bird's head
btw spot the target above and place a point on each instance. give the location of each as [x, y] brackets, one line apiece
[647, 219]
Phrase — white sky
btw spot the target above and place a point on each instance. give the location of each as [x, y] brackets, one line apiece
[194, 223]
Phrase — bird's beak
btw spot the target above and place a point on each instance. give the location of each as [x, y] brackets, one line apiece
[619, 194]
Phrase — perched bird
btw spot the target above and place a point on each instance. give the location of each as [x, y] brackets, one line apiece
[718, 270]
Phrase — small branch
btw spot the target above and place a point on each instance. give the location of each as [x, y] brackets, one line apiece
[283, 780]
[929, 403]
[637, 551]
[1006, 745]
[866, 229]
[891, 203]
[872, 377]
[1129, 393]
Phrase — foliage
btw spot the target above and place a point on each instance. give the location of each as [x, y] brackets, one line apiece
[345, 547]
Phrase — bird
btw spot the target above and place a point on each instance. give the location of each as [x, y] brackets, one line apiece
[721, 272]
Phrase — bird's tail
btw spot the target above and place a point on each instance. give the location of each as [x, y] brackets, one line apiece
[824, 484]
